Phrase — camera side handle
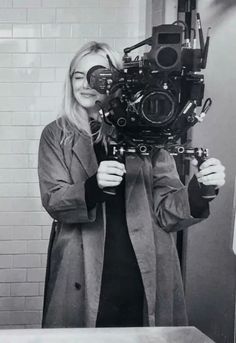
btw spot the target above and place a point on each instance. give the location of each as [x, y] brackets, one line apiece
[116, 154]
[110, 190]
[208, 191]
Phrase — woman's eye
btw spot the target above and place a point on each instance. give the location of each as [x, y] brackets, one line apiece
[78, 77]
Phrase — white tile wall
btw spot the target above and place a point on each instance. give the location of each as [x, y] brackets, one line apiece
[37, 41]
[41, 15]
[41, 45]
[5, 30]
[5, 3]
[56, 30]
[19, 89]
[13, 45]
[5, 290]
[26, 3]
[34, 303]
[6, 262]
[13, 15]
[26, 60]
[83, 30]
[17, 175]
[27, 75]
[26, 30]
[26, 261]
[14, 304]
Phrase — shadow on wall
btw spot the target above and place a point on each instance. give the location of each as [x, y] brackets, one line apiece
[222, 7]
[216, 12]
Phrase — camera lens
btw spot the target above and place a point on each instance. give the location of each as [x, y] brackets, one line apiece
[157, 108]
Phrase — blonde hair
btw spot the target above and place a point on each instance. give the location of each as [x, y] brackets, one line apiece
[71, 118]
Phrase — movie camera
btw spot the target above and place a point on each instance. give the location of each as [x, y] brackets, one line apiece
[159, 92]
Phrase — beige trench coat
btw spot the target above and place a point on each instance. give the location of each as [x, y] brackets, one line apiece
[156, 205]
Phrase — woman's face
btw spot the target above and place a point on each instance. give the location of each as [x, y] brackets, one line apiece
[83, 93]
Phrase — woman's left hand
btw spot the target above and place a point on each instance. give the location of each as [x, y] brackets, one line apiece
[211, 172]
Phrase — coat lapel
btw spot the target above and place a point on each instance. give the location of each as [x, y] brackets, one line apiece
[84, 153]
[133, 164]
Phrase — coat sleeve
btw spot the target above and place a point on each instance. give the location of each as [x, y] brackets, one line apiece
[171, 197]
[62, 199]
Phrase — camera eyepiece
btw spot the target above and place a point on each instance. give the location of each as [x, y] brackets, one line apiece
[101, 78]
[95, 80]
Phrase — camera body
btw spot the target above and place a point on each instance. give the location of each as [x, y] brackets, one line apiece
[158, 93]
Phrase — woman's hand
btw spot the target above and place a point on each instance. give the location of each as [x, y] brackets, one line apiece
[110, 173]
[211, 172]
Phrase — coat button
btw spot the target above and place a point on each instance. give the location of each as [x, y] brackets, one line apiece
[77, 285]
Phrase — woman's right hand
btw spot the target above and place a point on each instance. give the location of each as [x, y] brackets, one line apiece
[110, 173]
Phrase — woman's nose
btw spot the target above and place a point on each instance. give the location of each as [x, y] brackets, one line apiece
[85, 83]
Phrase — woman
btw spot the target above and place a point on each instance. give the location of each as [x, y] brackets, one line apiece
[112, 260]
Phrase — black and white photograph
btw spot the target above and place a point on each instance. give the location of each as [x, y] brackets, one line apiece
[117, 171]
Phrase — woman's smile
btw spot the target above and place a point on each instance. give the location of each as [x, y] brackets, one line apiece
[87, 95]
